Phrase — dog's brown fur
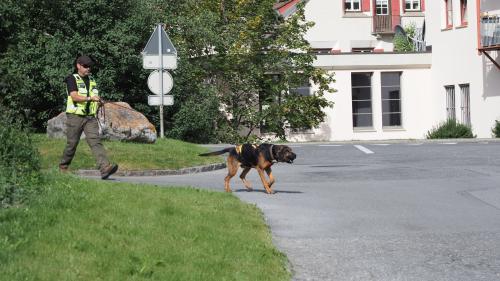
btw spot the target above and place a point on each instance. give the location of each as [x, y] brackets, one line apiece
[260, 157]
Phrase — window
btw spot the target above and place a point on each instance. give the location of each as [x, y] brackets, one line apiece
[449, 13]
[412, 5]
[361, 99]
[391, 98]
[465, 108]
[352, 5]
[382, 7]
[450, 102]
[463, 12]
[302, 87]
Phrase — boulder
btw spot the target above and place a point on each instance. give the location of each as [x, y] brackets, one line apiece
[117, 121]
[56, 127]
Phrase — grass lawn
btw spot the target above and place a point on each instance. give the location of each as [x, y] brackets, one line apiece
[167, 154]
[80, 229]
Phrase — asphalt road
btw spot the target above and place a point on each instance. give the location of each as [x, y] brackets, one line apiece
[379, 211]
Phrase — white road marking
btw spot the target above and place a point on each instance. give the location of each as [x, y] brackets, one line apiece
[364, 149]
[415, 143]
[448, 143]
[327, 145]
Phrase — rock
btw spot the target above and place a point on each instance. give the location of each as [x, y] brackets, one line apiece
[56, 127]
[117, 120]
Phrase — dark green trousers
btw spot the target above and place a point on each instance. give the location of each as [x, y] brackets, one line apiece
[75, 125]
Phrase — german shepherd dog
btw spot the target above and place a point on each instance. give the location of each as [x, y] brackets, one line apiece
[260, 157]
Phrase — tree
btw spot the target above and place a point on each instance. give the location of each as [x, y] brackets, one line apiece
[253, 57]
[238, 54]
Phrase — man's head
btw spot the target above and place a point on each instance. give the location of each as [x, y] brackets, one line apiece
[83, 65]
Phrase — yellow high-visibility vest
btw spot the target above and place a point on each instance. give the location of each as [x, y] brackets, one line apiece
[79, 108]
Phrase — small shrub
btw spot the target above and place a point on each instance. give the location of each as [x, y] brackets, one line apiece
[195, 121]
[496, 129]
[19, 162]
[404, 43]
[450, 129]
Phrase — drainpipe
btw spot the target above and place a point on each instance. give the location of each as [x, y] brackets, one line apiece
[478, 19]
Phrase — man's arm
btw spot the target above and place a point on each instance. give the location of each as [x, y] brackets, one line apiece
[73, 91]
[77, 98]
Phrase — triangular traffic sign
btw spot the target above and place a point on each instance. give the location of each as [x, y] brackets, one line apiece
[152, 45]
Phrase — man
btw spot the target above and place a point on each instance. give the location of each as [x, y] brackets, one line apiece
[81, 112]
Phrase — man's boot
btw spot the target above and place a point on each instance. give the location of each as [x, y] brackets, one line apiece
[108, 171]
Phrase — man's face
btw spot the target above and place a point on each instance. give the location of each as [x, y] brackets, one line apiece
[83, 69]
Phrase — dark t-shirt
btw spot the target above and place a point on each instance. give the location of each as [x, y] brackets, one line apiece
[71, 83]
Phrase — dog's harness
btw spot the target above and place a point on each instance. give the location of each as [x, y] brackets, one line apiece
[239, 148]
[271, 154]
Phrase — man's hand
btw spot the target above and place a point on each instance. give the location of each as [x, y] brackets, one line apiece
[95, 98]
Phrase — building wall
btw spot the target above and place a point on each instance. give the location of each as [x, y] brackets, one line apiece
[415, 96]
[455, 61]
[343, 31]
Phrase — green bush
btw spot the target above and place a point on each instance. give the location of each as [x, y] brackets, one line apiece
[496, 129]
[403, 43]
[195, 121]
[19, 162]
[450, 129]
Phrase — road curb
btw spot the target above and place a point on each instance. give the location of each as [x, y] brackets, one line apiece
[148, 173]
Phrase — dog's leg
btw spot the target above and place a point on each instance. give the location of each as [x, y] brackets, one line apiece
[264, 181]
[232, 169]
[269, 172]
[245, 181]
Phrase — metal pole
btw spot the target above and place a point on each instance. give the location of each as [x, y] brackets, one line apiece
[160, 52]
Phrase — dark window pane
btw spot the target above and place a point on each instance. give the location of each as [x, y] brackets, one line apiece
[301, 91]
[390, 78]
[361, 107]
[390, 93]
[362, 120]
[348, 5]
[392, 119]
[391, 106]
[361, 94]
[361, 79]
[356, 5]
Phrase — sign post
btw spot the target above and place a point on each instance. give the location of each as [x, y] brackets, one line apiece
[160, 54]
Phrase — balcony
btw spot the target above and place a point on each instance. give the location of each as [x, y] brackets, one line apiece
[490, 32]
[384, 24]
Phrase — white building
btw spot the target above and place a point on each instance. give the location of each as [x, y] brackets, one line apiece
[386, 95]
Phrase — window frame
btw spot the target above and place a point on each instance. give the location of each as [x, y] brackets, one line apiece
[448, 9]
[352, 2]
[411, 5]
[370, 100]
[463, 13]
[381, 3]
[465, 104]
[450, 102]
[382, 86]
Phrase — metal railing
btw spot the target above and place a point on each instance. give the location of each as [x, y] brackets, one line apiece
[490, 31]
[382, 24]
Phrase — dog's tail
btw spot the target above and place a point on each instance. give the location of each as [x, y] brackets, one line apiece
[225, 150]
